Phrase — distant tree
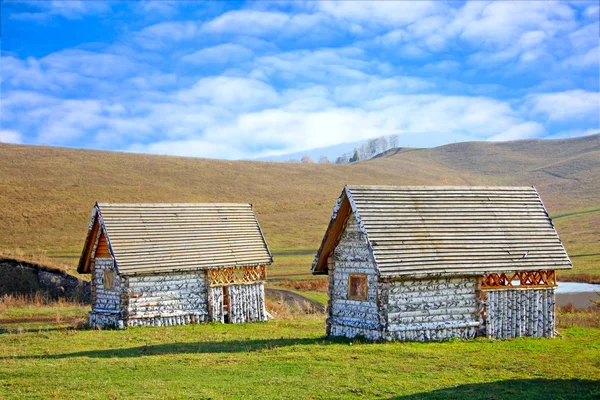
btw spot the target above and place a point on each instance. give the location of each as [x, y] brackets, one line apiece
[373, 147]
[363, 152]
[355, 157]
[293, 160]
[323, 160]
[343, 159]
[394, 139]
[383, 143]
[307, 160]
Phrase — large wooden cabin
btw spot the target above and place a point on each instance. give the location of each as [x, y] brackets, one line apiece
[432, 263]
[175, 264]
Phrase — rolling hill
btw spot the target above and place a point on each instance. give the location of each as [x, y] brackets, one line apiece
[46, 193]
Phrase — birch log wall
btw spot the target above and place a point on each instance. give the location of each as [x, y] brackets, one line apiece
[432, 309]
[167, 299]
[106, 294]
[441, 262]
[247, 303]
[352, 317]
[171, 264]
[513, 313]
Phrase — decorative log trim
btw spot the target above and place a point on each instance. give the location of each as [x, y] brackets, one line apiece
[235, 275]
[527, 279]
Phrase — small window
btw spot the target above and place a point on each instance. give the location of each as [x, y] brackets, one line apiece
[358, 287]
[109, 278]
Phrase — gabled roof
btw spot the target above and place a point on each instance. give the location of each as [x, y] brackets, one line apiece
[448, 230]
[150, 238]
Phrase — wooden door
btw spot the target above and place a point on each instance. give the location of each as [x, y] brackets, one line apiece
[226, 301]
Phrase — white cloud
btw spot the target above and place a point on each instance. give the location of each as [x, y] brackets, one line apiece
[527, 48]
[248, 22]
[260, 23]
[220, 54]
[589, 59]
[592, 11]
[264, 101]
[9, 136]
[568, 105]
[390, 13]
[71, 9]
[232, 117]
[70, 69]
[231, 92]
[574, 133]
[331, 65]
[159, 35]
[526, 130]
[585, 37]
[501, 22]
[87, 63]
[158, 7]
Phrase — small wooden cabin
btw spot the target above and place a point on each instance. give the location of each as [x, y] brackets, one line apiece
[432, 263]
[175, 264]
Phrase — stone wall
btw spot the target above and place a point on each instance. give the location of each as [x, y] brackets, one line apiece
[519, 312]
[431, 309]
[167, 299]
[349, 317]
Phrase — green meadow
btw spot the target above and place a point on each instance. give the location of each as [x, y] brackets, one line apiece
[291, 359]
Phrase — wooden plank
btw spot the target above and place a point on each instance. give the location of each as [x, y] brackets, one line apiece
[126, 245]
[463, 255]
[102, 250]
[507, 230]
[333, 234]
[124, 257]
[217, 260]
[417, 202]
[441, 189]
[180, 267]
[183, 235]
[151, 250]
[89, 246]
[407, 248]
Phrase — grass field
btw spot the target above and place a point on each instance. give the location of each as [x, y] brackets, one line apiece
[291, 359]
[580, 232]
[46, 194]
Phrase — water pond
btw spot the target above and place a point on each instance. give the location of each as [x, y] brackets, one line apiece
[580, 294]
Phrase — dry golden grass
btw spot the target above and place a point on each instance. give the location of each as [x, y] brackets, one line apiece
[46, 193]
[569, 316]
[315, 285]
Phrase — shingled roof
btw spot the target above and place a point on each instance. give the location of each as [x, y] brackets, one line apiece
[448, 230]
[150, 238]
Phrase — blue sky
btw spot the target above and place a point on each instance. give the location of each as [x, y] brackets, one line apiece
[258, 79]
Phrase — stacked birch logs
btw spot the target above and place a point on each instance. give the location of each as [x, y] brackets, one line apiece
[519, 312]
[247, 303]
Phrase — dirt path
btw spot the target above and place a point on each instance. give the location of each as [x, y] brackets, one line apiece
[295, 299]
[574, 213]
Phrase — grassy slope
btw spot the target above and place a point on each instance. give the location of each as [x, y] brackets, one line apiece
[291, 359]
[46, 194]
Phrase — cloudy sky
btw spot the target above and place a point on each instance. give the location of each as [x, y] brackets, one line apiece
[256, 79]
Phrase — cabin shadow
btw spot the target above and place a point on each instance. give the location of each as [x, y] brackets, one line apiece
[516, 389]
[233, 346]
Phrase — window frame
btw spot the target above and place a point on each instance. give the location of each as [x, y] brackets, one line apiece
[108, 279]
[361, 297]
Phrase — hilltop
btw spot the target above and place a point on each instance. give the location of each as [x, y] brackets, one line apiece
[46, 193]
